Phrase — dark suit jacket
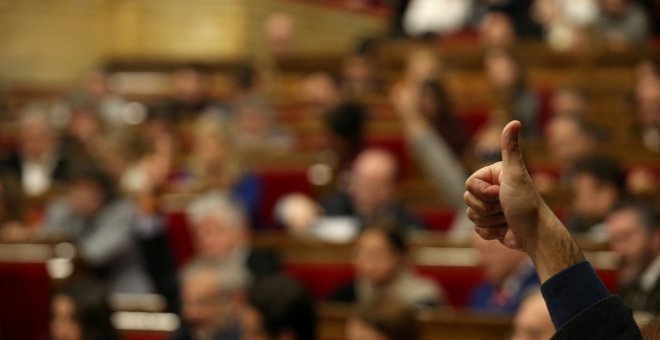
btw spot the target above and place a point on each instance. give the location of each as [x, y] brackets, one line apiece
[261, 263]
[13, 165]
[637, 299]
[608, 319]
[340, 204]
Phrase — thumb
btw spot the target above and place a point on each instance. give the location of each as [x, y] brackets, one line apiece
[511, 155]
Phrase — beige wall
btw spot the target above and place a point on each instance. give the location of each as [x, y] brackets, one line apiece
[53, 41]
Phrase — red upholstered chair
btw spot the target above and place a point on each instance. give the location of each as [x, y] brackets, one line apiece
[609, 278]
[436, 219]
[473, 119]
[321, 279]
[25, 300]
[179, 236]
[458, 282]
[277, 183]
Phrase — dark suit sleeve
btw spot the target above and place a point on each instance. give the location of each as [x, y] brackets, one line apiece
[581, 307]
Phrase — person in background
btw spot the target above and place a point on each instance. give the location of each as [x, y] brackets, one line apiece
[79, 311]
[623, 23]
[562, 20]
[506, 75]
[381, 269]
[371, 196]
[214, 297]
[37, 163]
[359, 76]
[647, 102]
[256, 127]
[569, 138]
[215, 165]
[436, 17]
[598, 184]
[496, 30]
[509, 274]
[436, 107]
[345, 133]
[383, 319]
[102, 224]
[634, 235]
[220, 230]
[569, 100]
[95, 90]
[278, 309]
[532, 320]
[321, 94]
[190, 93]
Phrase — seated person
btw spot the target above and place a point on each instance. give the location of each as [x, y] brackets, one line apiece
[220, 230]
[215, 164]
[634, 234]
[103, 225]
[597, 185]
[256, 127]
[37, 163]
[570, 101]
[79, 310]
[381, 269]
[371, 196]
[509, 277]
[506, 75]
[383, 319]
[532, 320]
[623, 23]
[279, 309]
[213, 297]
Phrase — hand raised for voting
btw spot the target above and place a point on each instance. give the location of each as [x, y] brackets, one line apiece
[504, 205]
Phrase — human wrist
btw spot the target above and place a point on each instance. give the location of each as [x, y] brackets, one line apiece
[552, 249]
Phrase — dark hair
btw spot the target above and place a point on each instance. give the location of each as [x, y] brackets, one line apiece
[605, 170]
[347, 122]
[389, 317]
[648, 214]
[96, 175]
[91, 308]
[438, 91]
[245, 76]
[284, 306]
[394, 235]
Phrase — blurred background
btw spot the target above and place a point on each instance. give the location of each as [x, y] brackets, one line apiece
[294, 169]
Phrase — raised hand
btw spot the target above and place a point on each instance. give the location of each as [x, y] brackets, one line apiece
[504, 205]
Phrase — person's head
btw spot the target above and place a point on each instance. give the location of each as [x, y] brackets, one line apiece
[89, 188]
[358, 75]
[214, 155]
[219, 226]
[36, 137]
[79, 311]
[380, 254]
[279, 32]
[634, 233]
[497, 30]
[253, 119]
[647, 99]
[213, 296]
[320, 91]
[532, 320]
[503, 70]
[597, 184]
[383, 318]
[189, 84]
[570, 138]
[614, 8]
[422, 65]
[297, 213]
[435, 103]
[497, 261]
[345, 125]
[569, 100]
[279, 309]
[373, 181]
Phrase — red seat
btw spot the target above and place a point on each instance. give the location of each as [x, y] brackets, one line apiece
[458, 282]
[436, 219]
[25, 300]
[321, 279]
[179, 236]
[277, 183]
[609, 278]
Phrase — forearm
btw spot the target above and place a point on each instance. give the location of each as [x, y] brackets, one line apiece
[552, 249]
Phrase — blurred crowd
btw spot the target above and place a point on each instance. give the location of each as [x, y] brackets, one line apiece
[102, 170]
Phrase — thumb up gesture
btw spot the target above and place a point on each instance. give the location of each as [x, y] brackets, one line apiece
[505, 206]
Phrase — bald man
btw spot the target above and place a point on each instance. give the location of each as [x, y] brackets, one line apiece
[371, 196]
